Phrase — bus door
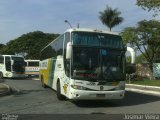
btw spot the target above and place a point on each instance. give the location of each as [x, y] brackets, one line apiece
[8, 63]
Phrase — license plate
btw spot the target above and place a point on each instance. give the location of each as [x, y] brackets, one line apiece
[100, 95]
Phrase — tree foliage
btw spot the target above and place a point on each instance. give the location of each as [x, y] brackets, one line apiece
[145, 37]
[150, 5]
[110, 17]
[29, 44]
[140, 59]
[1, 47]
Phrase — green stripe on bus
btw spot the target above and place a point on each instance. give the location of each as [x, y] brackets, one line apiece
[51, 71]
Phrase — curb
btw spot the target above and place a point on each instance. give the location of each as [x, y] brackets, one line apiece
[6, 90]
[35, 78]
[151, 90]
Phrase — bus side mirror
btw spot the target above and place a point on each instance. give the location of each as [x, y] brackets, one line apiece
[69, 50]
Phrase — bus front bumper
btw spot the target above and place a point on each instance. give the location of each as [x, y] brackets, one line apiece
[18, 75]
[96, 95]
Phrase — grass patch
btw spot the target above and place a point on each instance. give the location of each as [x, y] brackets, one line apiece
[146, 82]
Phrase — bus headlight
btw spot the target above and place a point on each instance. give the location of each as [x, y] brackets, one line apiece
[78, 87]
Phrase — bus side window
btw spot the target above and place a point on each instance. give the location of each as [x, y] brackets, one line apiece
[66, 62]
[59, 46]
[1, 60]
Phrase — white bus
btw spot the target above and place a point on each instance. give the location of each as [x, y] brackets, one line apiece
[12, 66]
[85, 64]
[32, 67]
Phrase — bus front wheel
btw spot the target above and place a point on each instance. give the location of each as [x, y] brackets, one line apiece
[1, 75]
[59, 95]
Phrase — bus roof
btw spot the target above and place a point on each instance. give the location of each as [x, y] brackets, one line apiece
[32, 60]
[84, 30]
[12, 56]
[90, 30]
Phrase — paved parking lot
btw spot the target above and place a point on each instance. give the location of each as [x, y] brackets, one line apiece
[31, 98]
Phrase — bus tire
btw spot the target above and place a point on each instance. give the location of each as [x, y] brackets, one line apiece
[1, 75]
[42, 82]
[59, 95]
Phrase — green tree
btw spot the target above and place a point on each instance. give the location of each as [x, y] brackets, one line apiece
[1, 48]
[150, 5]
[29, 44]
[110, 17]
[145, 37]
[140, 59]
[1, 45]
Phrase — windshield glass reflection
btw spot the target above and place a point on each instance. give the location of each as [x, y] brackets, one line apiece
[95, 63]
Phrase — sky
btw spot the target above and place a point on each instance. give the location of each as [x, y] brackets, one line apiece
[19, 17]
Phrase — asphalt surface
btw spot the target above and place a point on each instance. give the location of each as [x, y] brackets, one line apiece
[30, 100]
[5, 89]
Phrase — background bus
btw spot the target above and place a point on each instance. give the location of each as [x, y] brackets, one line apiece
[85, 64]
[32, 67]
[12, 66]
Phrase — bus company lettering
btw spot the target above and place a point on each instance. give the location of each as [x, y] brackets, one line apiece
[91, 83]
[87, 75]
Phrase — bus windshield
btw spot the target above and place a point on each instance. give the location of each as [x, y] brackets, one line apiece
[91, 63]
[17, 58]
[97, 61]
[18, 65]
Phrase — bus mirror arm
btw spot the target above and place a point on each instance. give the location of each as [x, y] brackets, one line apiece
[12, 62]
[132, 52]
[131, 68]
[69, 50]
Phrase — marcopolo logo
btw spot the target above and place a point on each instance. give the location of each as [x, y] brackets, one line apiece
[101, 88]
